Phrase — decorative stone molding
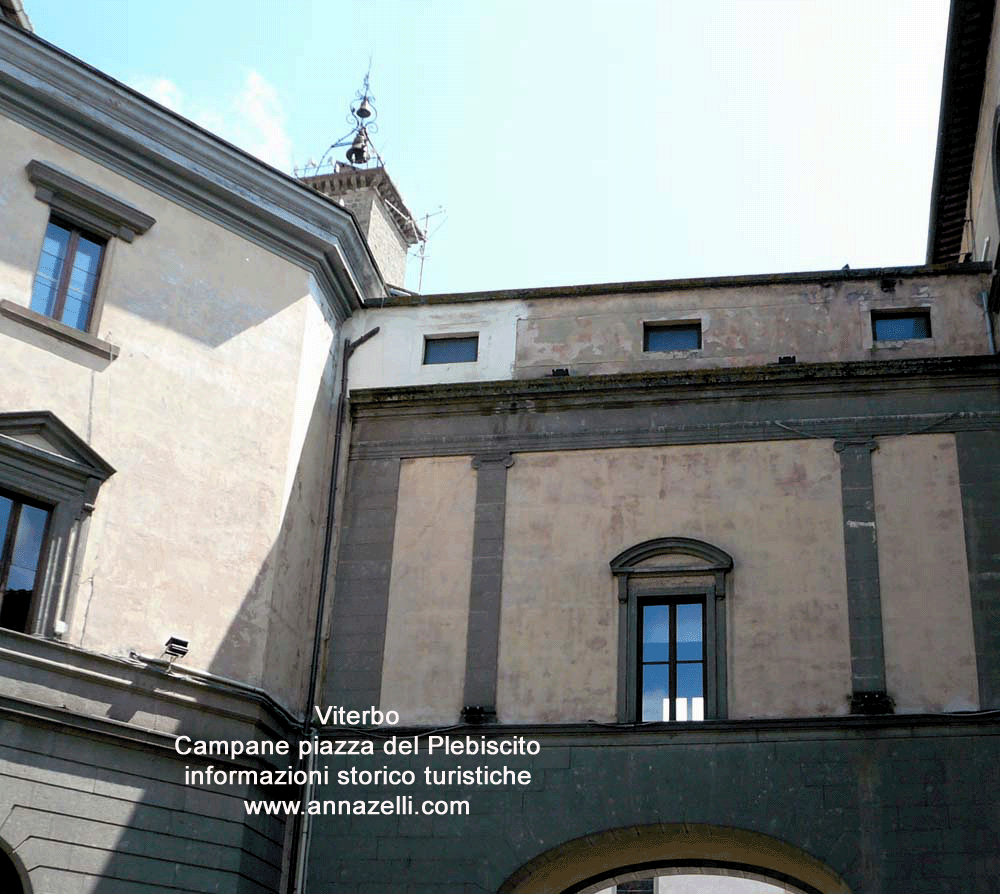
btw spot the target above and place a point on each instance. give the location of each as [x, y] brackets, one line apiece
[85, 204]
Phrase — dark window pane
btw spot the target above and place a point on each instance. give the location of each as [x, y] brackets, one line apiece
[656, 633]
[898, 327]
[21, 551]
[684, 337]
[689, 632]
[451, 350]
[655, 691]
[643, 886]
[14, 610]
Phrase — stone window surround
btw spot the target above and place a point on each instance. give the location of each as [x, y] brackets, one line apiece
[639, 580]
[97, 212]
[68, 482]
[923, 307]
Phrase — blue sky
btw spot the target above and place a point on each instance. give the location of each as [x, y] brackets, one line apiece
[573, 142]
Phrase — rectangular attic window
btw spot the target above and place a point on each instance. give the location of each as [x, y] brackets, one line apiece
[451, 349]
[900, 325]
[685, 336]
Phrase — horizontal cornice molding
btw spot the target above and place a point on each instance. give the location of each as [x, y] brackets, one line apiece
[828, 401]
[72, 103]
[671, 435]
[708, 732]
[808, 377]
[872, 275]
[46, 666]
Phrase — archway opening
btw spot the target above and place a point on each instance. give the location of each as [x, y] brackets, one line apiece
[10, 877]
[675, 858]
[696, 880]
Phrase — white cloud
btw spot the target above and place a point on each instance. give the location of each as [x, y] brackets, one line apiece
[164, 91]
[263, 119]
[253, 118]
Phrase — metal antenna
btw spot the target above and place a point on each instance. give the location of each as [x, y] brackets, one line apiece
[423, 243]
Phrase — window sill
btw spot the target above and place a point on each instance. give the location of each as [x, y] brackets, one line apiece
[901, 342]
[59, 331]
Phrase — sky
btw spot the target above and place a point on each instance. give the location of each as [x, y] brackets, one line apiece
[558, 142]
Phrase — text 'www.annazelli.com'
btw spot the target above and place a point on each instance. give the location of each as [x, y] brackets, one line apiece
[401, 805]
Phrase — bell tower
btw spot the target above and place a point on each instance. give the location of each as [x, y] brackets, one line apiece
[362, 186]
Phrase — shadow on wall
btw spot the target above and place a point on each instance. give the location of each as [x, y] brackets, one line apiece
[70, 818]
[204, 840]
[272, 631]
[211, 293]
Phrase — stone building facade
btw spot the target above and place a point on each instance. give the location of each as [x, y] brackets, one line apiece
[706, 569]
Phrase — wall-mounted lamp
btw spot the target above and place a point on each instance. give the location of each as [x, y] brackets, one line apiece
[175, 648]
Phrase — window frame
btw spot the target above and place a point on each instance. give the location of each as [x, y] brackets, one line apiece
[94, 212]
[671, 599]
[7, 550]
[667, 569]
[901, 313]
[449, 337]
[44, 462]
[651, 326]
[62, 286]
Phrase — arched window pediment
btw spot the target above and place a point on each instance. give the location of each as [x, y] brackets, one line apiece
[675, 554]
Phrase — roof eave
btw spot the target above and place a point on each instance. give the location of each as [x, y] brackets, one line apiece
[969, 29]
[55, 94]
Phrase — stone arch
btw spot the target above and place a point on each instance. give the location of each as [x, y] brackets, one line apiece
[13, 875]
[595, 861]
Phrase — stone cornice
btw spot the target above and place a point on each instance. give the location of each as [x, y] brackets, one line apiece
[708, 732]
[871, 275]
[473, 397]
[72, 103]
[773, 403]
[43, 675]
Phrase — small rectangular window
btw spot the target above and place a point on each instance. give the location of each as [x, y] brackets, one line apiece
[68, 269]
[900, 325]
[671, 336]
[451, 349]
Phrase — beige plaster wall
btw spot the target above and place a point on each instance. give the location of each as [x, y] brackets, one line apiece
[923, 574]
[775, 507]
[748, 326]
[206, 414]
[423, 673]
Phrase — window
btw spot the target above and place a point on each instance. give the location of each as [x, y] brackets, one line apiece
[66, 280]
[671, 630]
[900, 325]
[671, 679]
[66, 295]
[23, 526]
[49, 480]
[684, 336]
[451, 349]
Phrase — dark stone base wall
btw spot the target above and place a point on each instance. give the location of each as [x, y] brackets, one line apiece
[889, 804]
[97, 814]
